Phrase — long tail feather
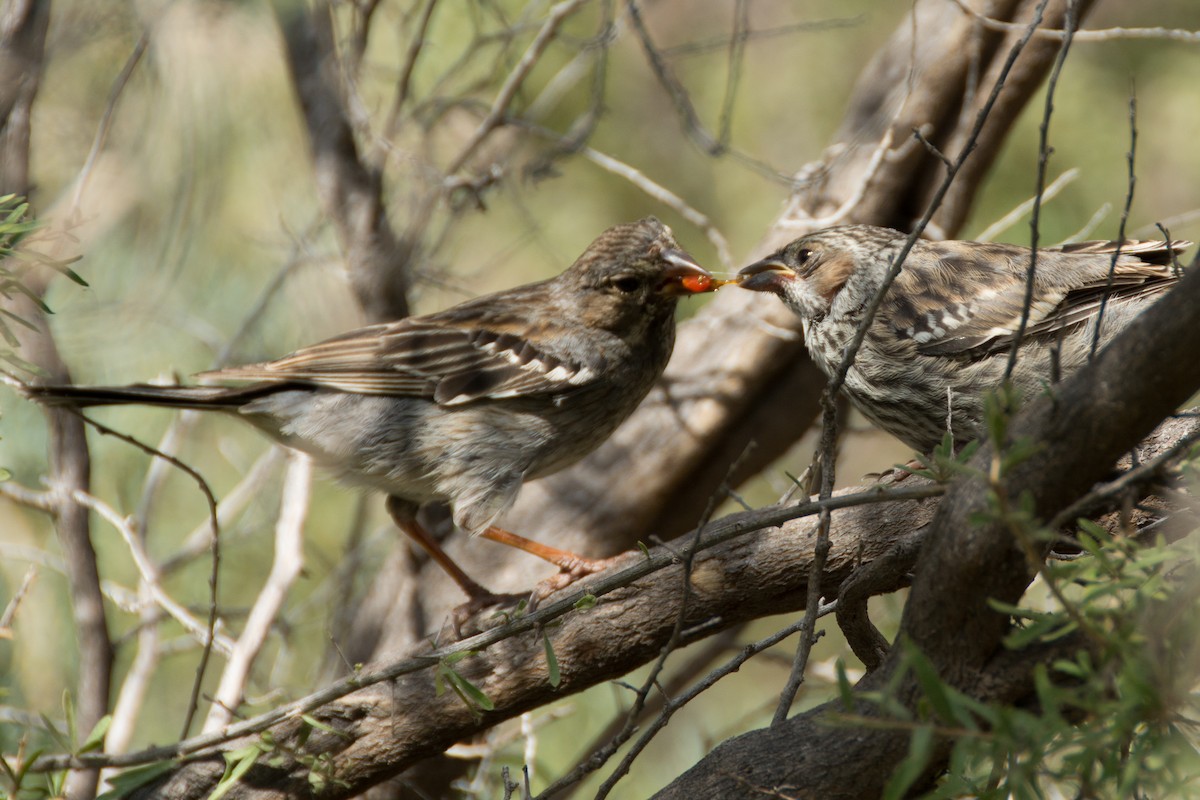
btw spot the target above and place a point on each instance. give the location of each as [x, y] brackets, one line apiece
[197, 397]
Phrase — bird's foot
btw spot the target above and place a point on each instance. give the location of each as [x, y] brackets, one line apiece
[485, 610]
[572, 570]
[896, 474]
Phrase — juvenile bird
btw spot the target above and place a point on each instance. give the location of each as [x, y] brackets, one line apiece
[466, 404]
[942, 335]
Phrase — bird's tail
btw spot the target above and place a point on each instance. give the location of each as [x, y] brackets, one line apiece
[197, 397]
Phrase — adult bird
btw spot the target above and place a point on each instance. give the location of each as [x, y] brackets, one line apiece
[465, 405]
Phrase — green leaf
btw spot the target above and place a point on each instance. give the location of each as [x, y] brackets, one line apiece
[845, 690]
[585, 602]
[470, 692]
[126, 782]
[95, 739]
[908, 771]
[930, 682]
[313, 722]
[237, 763]
[54, 732]
[551, 662]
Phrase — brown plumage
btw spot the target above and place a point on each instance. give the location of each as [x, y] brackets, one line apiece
[466, 404]
[942, 335]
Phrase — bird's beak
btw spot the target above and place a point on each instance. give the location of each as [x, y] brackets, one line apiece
[768, 275]
[684, 276]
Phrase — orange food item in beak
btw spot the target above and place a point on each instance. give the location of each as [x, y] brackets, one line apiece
[698, 284]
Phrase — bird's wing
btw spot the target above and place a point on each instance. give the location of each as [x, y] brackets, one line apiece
[436, 357]
[968, 298]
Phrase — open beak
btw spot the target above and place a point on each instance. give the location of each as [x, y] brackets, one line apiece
[683, 276]
[768, 275]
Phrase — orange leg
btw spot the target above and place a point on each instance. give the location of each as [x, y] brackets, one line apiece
[403, 515]
[573, 565]
[563, 559]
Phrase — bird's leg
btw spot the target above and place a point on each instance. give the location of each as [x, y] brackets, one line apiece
[572, 565]
[565, 560]
[403, 514]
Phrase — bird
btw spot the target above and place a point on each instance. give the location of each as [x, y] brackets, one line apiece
[943, 331]
[466, 404]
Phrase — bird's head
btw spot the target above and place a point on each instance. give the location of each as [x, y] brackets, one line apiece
[636, 269]
[809, 273]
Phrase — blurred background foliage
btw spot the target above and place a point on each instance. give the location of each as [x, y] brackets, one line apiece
[203, 195]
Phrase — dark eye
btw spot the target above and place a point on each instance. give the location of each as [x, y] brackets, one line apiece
[626, 283]
[802, 256]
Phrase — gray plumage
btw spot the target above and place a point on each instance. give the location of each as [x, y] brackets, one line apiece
[466, 404]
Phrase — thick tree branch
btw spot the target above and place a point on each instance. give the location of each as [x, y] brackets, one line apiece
[350, 192]
[23, 25]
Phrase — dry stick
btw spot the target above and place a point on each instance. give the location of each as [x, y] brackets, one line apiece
[14, 603]
[737, 51]
[148, 573]
[667, 198]
[606, 742]
[1014, 216]
[211, 500]
[131, 696]
[687, 111]
[558, 13]
[749, 651]
[1102, 35]
[1142, 473]
[289, 560]
[1112, 265]
[110, 107]
[829, 412]
[672, 644]
[404, 83]
[718, 532]
[1040, 185]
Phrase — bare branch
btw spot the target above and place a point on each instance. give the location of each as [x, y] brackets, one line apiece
[285, 569]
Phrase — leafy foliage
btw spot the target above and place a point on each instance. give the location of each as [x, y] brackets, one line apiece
[15, 226]
[1116, 719]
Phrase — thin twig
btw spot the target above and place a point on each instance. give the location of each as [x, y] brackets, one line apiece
[504, 97]
[667, 198]
[14, 602]
[1133, 477]
[110, 107]
[1040, 185]
[148, 572]
[673, 642]
[1130, 160]
[214, 546]
[1103, 35]
[1013, 217]
[289, 560]
[673, 705]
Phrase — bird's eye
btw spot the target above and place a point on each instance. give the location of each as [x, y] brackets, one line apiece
[626, 283]
[803, 255]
